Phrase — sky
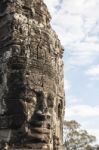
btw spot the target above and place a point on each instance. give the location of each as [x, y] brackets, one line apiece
[77, 25]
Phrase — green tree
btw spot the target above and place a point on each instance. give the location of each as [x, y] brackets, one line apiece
[75, 138]
[89, 147]
[97, 147]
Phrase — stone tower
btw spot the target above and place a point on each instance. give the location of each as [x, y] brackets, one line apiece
[31, 78]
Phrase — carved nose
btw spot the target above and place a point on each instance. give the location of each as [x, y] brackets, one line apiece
[42, 111]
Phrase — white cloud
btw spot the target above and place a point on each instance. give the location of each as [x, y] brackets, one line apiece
[77, 24]
[82, 111]
[93, 71]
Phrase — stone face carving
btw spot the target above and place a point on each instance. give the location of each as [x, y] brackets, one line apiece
[31, 78]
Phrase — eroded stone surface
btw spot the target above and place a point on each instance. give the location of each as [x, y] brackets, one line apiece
[31, 77]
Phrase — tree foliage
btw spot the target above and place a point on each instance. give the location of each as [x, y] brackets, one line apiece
[76, 138]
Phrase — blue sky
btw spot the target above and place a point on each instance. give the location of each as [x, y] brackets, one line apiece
[77, 25]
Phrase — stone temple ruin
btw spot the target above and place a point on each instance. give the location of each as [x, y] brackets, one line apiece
[31, 78]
